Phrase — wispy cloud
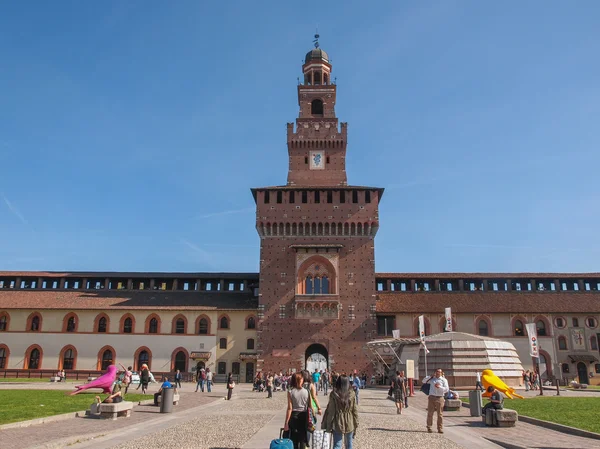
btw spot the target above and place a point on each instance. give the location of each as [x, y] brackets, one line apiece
[14, 210]
[205, 256]
[227, 212]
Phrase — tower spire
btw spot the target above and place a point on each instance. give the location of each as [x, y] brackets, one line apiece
[316, 41]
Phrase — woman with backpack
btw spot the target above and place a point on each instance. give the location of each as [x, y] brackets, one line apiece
[341, 415]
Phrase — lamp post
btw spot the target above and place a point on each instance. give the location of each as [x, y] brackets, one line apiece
[540, 377]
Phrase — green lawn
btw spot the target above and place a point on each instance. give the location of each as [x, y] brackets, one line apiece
[22, 405]
[575, 412]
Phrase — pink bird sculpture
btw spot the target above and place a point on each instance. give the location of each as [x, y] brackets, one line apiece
[105, 381]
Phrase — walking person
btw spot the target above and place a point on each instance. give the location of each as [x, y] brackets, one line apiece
[526, 380]
[325, 379]
[178, 377]
[399, 389]
[341, 415]
[269, 385]
[439, 387]
[296, 418]
[313, 402]
[406, 389]
[230, 386]
[201, 380]
[144, 379]
[209, 380]
[478, 385]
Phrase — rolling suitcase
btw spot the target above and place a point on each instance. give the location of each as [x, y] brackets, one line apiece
[281, 442]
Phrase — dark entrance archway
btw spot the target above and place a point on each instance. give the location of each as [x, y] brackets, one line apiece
[582, 373]
[316, 357]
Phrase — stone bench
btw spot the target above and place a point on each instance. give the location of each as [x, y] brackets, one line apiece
[55, 379]
[505, 417]
[175, 399]
[452, 405]
[115, 409]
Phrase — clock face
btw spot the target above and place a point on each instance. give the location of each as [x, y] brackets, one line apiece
[317, 160]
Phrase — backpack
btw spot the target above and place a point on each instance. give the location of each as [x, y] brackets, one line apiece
[203, 375]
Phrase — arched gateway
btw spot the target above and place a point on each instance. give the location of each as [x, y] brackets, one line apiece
[316, 357]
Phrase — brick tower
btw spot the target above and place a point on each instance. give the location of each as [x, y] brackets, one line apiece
[317, 256]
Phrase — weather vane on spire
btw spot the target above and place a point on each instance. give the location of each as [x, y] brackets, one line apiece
[316, 41]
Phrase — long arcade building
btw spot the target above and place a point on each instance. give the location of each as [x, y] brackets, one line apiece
[317, 291]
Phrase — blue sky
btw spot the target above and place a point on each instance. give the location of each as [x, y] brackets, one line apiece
[131, 132]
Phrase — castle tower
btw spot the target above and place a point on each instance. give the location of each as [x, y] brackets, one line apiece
[317, 257]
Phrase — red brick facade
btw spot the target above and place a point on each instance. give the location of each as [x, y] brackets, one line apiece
[319, 228]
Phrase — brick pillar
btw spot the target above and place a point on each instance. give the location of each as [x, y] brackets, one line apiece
[152, 284]
[175, 283]
[485, 285]
[461, 285]
[61, 284]
[436, 285]
[508, 285]
[129, 284]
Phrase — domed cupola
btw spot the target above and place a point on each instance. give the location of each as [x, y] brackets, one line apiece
[316, 68]
[317, 54]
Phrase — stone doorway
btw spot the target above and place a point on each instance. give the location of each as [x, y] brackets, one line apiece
[582, 373]
[316, 357]
[249, 372]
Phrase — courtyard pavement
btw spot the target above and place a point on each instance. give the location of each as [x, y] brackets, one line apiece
[251, 421]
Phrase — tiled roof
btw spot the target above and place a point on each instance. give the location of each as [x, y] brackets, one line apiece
[489, 302]
[487, 275]
[106, 300]
[123, 274]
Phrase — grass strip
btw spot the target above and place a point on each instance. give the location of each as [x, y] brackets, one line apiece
[23, 405]
[581, 413]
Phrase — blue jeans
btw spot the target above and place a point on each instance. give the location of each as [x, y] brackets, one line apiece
[200, 384]
[208, 385]
[337, 440]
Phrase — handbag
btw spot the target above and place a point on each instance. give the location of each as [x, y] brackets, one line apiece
[426, 387]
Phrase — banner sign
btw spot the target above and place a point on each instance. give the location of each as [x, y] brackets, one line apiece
[422, 328]
[448, 319]
[396, 333]
[534, 346]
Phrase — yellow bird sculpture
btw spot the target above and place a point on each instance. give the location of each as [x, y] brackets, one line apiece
[488, 378]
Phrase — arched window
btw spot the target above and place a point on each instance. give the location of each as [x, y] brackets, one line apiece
[251, 323]
[71, 326]
[203, 326]
[519, 328]
[180, 326]
[223, 343]
[562, 343]
[317, 77]
[3, 357]
[34, 358]
[224, 323]
[316, 107]
[107, 359]
[594, 343]
[102, 324]
[250, 343]
[153, 326]
[128, 326]
[482, 328]
[317, 286]
[35, 324]
[541, 328]
[308, 286]
[143, 359]
[180, 361]
[3, 322]
[324, 285]
[68, 361]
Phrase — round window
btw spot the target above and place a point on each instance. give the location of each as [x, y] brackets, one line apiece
[591, 322]
[560, 322]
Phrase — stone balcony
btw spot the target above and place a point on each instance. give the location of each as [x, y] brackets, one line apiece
[317, 307]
